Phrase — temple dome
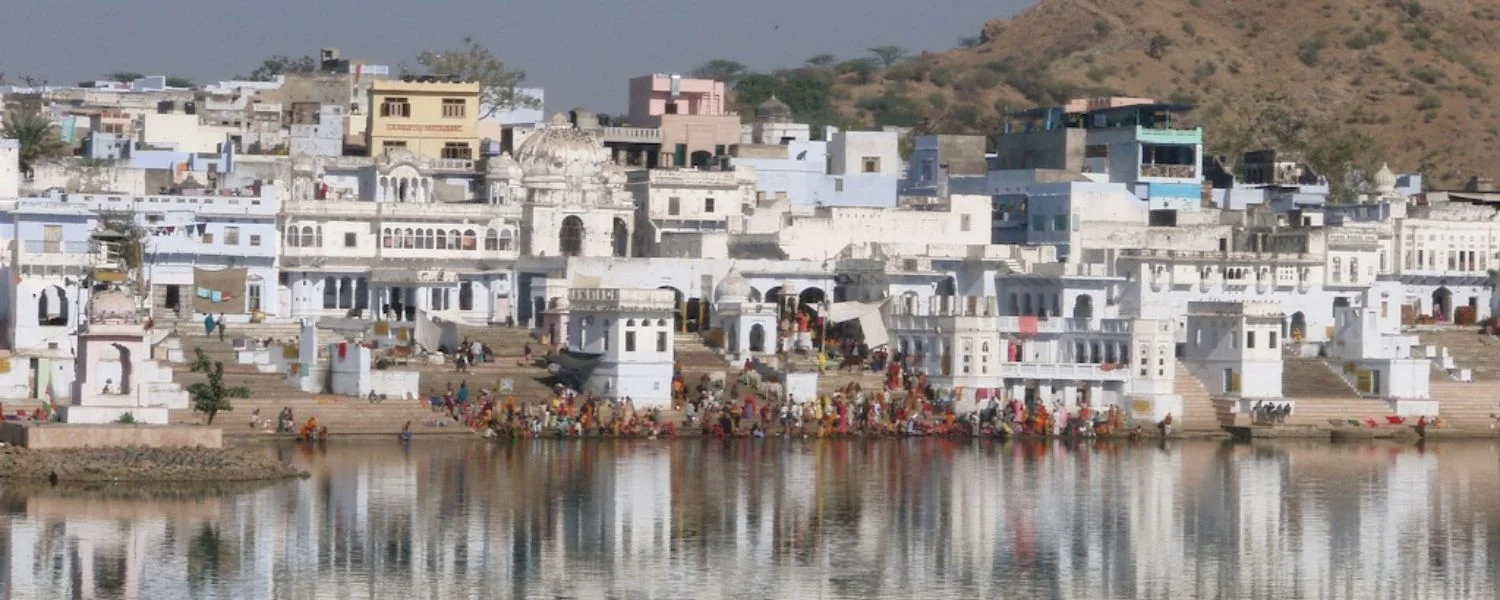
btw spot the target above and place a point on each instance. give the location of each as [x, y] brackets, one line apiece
[733, 288]
[1385, 180]
[561, 150]
[773, 110]
[112, 306]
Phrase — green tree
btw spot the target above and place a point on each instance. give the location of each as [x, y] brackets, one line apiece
[972, 41]
[719, 69]
[753, 89]
[281, 65]
[179, 81]
[213, 396]
[124, 76]
[499, 86]
[38, 138]
[860, 68]
[888, 55]
[821, 61]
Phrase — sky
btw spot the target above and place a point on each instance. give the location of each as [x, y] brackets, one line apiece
[582, 52]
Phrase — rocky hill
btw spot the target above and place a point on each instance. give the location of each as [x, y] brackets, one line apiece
[1344, 81]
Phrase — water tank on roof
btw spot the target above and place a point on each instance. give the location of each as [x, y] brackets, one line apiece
[165, 107]
[190, 107]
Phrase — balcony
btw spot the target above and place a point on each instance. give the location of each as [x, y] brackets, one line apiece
[60, 254]
[630, 135]
[1063, 371]
[1169, 171]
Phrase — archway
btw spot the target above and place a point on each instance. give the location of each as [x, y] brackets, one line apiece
[1299, 326]
[947, 287]
[1442, 304]
[126, 375]
[52, 306]
[757, 338]
[1083, 307]
[773, 295]
[621, 238]
[466, 295]
[677, 299]
[702, 158]
[812, 296]
[570, 239]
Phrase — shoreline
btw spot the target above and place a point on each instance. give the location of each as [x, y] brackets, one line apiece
[142, 465]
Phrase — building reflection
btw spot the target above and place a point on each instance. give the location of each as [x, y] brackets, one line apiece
[798, 518]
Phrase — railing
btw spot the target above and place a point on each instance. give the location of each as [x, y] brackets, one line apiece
[453, 164]
[633, 134]
[1084, 371]
[1169, 171]
[58, 247]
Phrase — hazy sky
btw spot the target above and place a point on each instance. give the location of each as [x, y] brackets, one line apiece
[582, 52]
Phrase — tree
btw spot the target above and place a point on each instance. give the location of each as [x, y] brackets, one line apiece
[753, 89]
[125, 76]
[821, 61]
[213, 396]
[281, 65]
[38, 138]
[718, 69]
[862, 68]
[179, 81]
[888, 55]
[499, 87]
[972, 41]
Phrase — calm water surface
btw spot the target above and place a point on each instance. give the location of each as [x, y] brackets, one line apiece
[798, 519]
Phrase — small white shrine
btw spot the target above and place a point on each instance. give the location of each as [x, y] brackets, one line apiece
[626, 335]
[113, 375]
[749, 324]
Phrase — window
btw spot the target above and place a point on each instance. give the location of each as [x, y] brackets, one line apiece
[330, 293]
[458, 150]
[1249, 339]
[1271, 340]
[453, 108]
[1060, 223]
[964, 223]
[351, 239]
[254, 240]
[630, 341]
[393, 145]
[708, 205]
[661, 341]
[292, 237]
[838, 184]
[674, 206]
[870, 164]
[231, 236]
[395, 107]
[671, 108]
[492, 240]
[208, 238]
[1039, 223]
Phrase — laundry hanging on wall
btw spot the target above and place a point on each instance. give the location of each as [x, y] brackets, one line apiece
[217, 290]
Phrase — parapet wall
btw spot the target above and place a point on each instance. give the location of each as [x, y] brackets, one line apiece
[58, 435]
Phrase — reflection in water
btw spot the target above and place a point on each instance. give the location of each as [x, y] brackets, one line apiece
[798, 519]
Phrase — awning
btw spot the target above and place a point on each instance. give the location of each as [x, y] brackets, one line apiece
[573, 370]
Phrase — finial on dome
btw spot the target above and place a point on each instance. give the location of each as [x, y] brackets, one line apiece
[559, 120]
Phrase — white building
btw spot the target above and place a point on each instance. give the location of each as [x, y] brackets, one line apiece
[627, 335]
[1235, 348]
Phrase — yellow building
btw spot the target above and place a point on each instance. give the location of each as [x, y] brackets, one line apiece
[434, 117]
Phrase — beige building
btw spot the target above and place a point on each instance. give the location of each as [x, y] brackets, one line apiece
[428, 116]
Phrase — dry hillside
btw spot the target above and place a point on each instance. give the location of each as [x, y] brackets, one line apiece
[1351, 81]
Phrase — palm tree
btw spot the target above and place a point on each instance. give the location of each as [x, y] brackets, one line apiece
[39, 140]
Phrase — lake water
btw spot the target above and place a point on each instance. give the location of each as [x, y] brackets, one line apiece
[785, 519]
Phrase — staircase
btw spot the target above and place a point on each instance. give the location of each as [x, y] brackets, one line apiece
[1471, 407]
[1200, 410]
[1471, 350]
[1312, 378]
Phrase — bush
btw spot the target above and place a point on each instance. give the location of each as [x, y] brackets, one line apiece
[941, 77]
[1158, 45]
[1370, 36]
[1310, 50]
[126, 419]
[1426, 74]
[1430, 102]
[937, 100]
[980, 80]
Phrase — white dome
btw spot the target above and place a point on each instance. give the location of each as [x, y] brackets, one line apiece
[734, 288]
[561, 150]
[112, 306]
[1385, 180]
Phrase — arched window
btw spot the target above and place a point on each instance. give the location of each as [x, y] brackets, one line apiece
[409, 241]
[318, 239]
[385, 238]
[346, 292]
[471, 241]
[307, 236]
[293, 240]
[570, 239]
[362, 293]
[465, 294]
[507, 239]
[330, 293]
[491, 240]
[429, 239]
[442, 240]
[630, 323]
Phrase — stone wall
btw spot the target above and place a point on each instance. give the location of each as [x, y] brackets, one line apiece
[56, 435]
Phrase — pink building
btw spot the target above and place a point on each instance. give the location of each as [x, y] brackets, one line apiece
[690, 116]
[652, 96]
